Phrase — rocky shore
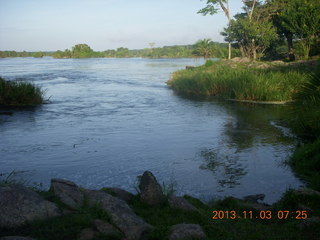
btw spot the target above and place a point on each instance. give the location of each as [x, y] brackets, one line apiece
[20, 205]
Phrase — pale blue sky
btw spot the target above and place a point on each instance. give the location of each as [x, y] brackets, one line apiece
[49, 25]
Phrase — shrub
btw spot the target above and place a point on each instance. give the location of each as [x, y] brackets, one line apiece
[19, 93]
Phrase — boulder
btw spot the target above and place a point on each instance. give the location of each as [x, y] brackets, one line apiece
[19, 204]
[150, 190]
[87, 234]
[187, 231]
[123, 217]
[122, 194]
[105, 228]
[180, 203]
[68, 192]
[254, 198]
[306, 192]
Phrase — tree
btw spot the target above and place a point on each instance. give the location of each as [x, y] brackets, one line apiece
[203, 48]
[303, 19]
[275, 8]
[82, 51]
[212, 9]
[253, 30]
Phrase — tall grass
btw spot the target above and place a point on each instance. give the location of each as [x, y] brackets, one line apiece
[306, 110]
[17, 93]
[241, 83]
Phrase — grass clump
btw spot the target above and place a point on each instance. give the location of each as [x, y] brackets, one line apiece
[19, 93]
[241, 82]
[305, 122]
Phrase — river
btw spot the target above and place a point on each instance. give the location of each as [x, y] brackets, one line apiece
[109, 120]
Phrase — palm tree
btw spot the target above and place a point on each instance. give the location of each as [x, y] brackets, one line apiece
[203, 47]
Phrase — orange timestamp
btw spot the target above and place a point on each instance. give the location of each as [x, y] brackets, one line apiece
[264, 214]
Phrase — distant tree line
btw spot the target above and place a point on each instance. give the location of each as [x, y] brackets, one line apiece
[213, 50]
[5, 54]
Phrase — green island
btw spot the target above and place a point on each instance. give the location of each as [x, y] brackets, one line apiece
[278, 42]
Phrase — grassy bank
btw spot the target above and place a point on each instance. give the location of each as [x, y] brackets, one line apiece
[241, 81]
[17, 93]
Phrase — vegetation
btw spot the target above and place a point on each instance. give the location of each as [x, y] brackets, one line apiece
[19, 93]
[212, 9]
[261, 82]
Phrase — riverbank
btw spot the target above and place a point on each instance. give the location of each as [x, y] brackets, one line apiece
[67, 211]
[20, 93]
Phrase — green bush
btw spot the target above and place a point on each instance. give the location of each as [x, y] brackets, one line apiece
[17, 93]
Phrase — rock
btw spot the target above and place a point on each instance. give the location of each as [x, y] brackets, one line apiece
[306, 192]
[256, 206]
[105, 228]
[123, 217]
[254, 198]
[180, 203]
[190, 67]
[19, 204]
[16, 238]
[240, 60]
[187, 231]
[122, 194]
[87, 234]
[151, 192]
[68, 192]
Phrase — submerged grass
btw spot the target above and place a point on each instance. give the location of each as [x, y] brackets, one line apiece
[19, 93]
[241, 82]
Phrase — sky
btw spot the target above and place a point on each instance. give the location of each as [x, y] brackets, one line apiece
[50, 25]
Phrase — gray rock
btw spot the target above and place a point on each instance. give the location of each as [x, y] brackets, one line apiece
[16, 238]
[122, 194]
[151, 192]
[86, 234]
[105, 228]
[187, 231]
[123, 217]
[19, 204]
[68, 192]
[254, 198]
[256, 206]
[306, 192]
[180, 203]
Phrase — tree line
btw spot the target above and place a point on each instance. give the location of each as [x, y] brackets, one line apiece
[203, 48]
[265, 27]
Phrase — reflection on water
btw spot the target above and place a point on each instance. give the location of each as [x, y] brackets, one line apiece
[227, 169]
[111, 119]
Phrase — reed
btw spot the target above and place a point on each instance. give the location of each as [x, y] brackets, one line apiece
[240, 82]
[20, 93]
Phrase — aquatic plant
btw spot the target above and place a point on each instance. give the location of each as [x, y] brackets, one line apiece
[241, 82]
[20, 93]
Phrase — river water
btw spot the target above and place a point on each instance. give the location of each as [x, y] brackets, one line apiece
[111, 119]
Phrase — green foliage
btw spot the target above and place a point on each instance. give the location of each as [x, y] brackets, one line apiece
[254, 35]
[303, 19]
[306, 163]
[17, 93]
[241, 83]
[211, 7]
[204, 48]
[306, 112]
